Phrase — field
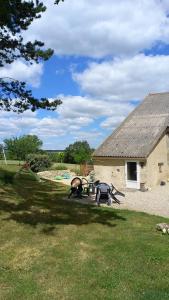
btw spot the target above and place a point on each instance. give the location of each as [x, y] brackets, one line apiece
[56, 249]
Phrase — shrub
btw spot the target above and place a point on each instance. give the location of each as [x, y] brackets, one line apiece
[76, 171]
[38, 162]
[61, 167]
[54, 156]
[6, 177]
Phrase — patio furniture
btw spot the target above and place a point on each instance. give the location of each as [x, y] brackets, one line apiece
[107, 193]
[79, 188]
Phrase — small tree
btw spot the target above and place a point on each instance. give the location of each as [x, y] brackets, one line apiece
[61, 156]
[78, 152]
[20, 147]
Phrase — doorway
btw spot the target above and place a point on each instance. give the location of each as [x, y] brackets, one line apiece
[132, 173]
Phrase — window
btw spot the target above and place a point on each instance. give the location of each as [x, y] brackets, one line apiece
[160, 167]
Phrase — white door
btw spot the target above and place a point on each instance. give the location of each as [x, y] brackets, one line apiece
[132, 173]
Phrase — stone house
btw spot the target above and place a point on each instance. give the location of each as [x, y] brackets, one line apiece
[136, 154]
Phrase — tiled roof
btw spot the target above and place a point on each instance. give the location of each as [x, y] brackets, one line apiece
[141, 130]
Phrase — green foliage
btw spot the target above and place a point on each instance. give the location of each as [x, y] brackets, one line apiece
[19, 147]
[61, 167]
[15, 91]
[6, 176]
[53, 156]
[77, 171]
[38, 162]
[61, 156]
[57, 157]
[57, 1]
[78, 152]
[15, 17]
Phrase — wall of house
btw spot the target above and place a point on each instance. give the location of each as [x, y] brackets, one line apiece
[157, 167]
[154, 170]
[113, 171]
[110, 171]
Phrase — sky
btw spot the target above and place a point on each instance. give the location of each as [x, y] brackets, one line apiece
[108, 55]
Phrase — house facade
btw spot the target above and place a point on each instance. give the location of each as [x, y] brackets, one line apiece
[136, 154]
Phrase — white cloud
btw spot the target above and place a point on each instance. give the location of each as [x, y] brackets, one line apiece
[12, 124]
[112, 122]
[71, 122]
[99, 28]
[126, 79]
[75, 116]
[7, 128]
[165, 5]
[24, 72]
[89, 136]
[74, 107]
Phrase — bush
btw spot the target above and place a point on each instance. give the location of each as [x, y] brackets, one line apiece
[6, 178]
[76, 171]
[61, 167]
[38, 162]
[54, 156]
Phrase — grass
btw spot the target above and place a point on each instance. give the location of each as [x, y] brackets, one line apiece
[68, 166]
[11, 162]
[61, 167]
[56, 249]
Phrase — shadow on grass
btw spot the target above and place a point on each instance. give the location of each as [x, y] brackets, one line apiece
[34, 203]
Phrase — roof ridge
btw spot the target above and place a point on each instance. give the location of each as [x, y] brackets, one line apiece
[159, 93]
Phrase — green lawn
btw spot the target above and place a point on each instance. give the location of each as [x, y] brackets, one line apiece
[68, 166]
[11, 162]
[55, 249]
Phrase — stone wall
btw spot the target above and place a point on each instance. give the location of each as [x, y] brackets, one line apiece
[157, 167]
[113, 171]
[110, 171]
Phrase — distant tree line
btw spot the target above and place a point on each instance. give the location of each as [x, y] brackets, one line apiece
[18, 148]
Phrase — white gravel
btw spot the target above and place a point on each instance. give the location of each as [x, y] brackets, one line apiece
[155, 202]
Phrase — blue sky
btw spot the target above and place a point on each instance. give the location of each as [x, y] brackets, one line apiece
[108, 55]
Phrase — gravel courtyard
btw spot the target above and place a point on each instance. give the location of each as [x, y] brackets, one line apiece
[155, 202]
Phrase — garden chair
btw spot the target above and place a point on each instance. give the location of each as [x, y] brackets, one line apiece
[107, 193]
